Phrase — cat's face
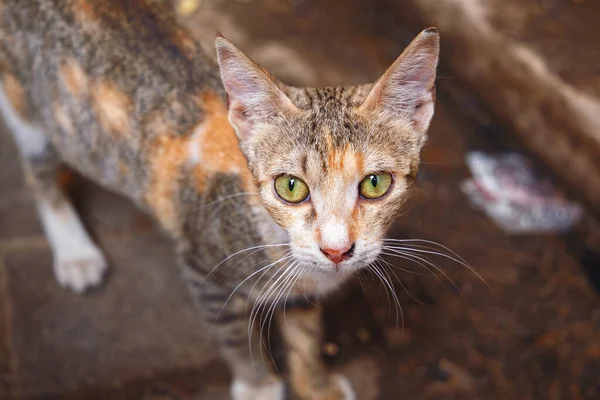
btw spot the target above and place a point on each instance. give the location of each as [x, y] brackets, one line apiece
[334, 165]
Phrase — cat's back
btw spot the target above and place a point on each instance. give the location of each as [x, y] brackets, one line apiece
[136, 45]
[114, 83]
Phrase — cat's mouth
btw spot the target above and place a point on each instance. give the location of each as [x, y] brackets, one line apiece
[359, 256]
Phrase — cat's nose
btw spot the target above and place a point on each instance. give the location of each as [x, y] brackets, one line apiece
[340, 254]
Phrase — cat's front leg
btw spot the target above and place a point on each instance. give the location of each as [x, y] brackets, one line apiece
[228, 317]
[78, 263]
[310, 379]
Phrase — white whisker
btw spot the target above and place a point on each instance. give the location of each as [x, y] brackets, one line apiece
[288, 283]
[273, 295]
[394, 295]
[437, 253]
[248, 277]
[259, 300]
[417, 259]
[296, 279]
[391, 268]
[454, 257]
[263, 246]
[389, 286]
[220, 200]
[373, 269]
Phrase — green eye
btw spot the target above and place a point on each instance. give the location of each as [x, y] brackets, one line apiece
[291, 189]
[374, 186]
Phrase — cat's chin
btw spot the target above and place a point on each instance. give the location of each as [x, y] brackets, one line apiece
[320, 282]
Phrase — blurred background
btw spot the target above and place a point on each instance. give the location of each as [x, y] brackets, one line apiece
[510, 181]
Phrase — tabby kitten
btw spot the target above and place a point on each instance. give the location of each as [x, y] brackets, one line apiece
[271, 192]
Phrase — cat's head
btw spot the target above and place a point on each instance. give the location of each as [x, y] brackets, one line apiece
[333, 166]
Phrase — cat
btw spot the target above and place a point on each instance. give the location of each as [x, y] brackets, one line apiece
[273, 194]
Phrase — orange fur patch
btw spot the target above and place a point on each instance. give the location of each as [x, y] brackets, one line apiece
[360, 162]
[215, 144]
[167, 154]
[16, 95]
[218, 145]
[83, 10]
[353, 226]
[112, 108]
[74, 77]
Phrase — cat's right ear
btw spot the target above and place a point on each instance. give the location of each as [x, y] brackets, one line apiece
[253, 95]
[406, 90]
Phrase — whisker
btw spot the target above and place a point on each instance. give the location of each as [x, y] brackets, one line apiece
[255, 283]
[297, 278]
[457, 260]
[416, 259]
[391, 268]
[411, 257]
[262, 246]
[407, 270]
[249, 277]
[374, 270]
[228, 197]
[395, 296]
[258, 305]
[272, 304]
[271, 312]
[268, 258]
[390, 287]
[289, 282]
[409, 241]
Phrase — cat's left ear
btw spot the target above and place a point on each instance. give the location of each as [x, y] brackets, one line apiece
[407, 89]
[253, 95]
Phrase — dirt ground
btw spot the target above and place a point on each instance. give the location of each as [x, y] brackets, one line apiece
[532, 331]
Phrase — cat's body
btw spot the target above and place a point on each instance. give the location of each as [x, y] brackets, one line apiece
[123, 94]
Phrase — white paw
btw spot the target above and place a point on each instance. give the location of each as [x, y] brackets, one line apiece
[344, 384]
[271, 390]
[80, 268]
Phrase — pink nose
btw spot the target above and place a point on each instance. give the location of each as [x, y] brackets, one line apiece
[340, 254]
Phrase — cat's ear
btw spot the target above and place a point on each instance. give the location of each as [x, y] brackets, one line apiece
[252, 94]
[406, 90]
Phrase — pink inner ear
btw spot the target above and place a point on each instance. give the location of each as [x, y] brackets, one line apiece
[406, 90]
[239, 120]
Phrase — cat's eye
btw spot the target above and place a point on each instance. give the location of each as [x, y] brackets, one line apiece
[375, 186]
[291, 189]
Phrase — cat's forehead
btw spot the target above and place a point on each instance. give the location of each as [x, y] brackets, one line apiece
[331, 136]
[328, 99]
[330, 120]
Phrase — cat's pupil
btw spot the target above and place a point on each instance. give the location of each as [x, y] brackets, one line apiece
[374, 180]
[291, 184]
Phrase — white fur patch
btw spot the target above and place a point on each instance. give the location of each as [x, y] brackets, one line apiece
[274, 390]
[30, 139]
[194, 150]
[78, 263]
[334, 235]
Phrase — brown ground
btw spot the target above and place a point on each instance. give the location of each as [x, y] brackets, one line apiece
[533, 334]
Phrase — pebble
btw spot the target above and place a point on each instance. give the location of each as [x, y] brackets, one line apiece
[188, 7]
[331, 349]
